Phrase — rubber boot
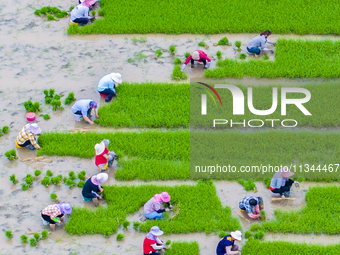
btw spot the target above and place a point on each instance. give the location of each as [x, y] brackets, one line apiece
[95, 201]
[108, 98]
[52, 226]
[110, 162]
[286, 194]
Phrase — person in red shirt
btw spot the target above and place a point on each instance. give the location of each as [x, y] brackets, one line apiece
[199, 56]
[152, 243]
[103, 155]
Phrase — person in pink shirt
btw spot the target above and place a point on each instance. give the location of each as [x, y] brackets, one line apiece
[199, 56]
[153, 208]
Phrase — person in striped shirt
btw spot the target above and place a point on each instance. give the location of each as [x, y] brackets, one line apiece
[26, 137]
[252, 205]
[54, 214]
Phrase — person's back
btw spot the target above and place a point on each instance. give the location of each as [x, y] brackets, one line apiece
[258, 41]
[80, 11]
[221, 247]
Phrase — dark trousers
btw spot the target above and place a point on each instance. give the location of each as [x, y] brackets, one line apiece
[202, 59]
[107, 92]
[285, 188]
[48, 219]
[81, 21]
[153, 253]
[25, 144]
[79, 112]
[257, 51]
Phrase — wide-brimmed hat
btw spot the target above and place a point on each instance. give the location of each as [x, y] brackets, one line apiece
[117, 77]
[195, 55]
[34, 129]
[236, 235]
[66, 207]
[82, 1]
[285, 172]
[99, 147]
[156, 231]
[165, 197]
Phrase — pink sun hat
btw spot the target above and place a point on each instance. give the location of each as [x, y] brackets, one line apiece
[165, 197]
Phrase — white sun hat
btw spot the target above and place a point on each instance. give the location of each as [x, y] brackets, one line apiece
[117, 77]
[34, 129]
[195, 55]
[236, 235]
[99, 147]
[156, 231]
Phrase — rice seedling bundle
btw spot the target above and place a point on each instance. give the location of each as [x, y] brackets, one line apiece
[232, 16]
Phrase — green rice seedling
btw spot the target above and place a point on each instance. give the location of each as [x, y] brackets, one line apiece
[243, 56]
[238, 45]
[177, 61]
[8, 234]
[101, 13]
[33, 242]
[70, 98]
[11, 155]
[48, 100]
[37, 12]
[158, 52]
[50, 17]
[29, 180]
[56, 180]
[168, 242]
[259, 234]
[70, 183]
[248, 234]
[125, 224]
[36, 236]
[51, 93]
[53, 196]
[187, 248]
[45, 116]
[23, 238]
[1, 134]
[222, 234]
[177, 74]
[140, 56]
[61, 14]
[172, 49]
[45, 91]
[265, 57]
[263, 216]
[142, 39]
[136, 225]
[71, 8]
[13, 179]
[5, 129]
[32, 107]
[24, 187]
[202, 44]
[186, 55]
[56, 104]
[81, 184]
[72, 175]
[219, 54]
[46, 181]
[93, 13]
[255, 227]
[120, 237]
[65, 179]
[81, 176]
[49, 173]
[223, 41]
[44, 234]
[130, 60]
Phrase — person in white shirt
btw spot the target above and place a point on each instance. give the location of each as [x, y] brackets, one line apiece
[80, 14]
[257, 44]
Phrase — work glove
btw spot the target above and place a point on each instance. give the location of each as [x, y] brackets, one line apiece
[207, 65]
[183, 67]
[167, 209]
[170, 206]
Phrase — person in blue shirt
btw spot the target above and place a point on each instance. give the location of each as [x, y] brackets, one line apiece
[80, 14]
[107, 85]
[82, 110]
[226, 246]
[257, 44]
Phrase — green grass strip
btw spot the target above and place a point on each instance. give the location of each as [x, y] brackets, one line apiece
[195, 213]
[293, 59]
[320, 215]
[256, 247]
[146, 16]
[184, 248]
[148, 105]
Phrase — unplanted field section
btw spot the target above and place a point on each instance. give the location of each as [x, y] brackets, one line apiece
[320, 215]
[293, 59]
[147, 105]
[322, 105]
[194, 214]
[174, 17]
[256, 247]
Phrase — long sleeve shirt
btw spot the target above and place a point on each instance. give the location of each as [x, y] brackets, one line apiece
[202, 55]
[258, 41]
[25, 136]
[252, 211]
[82, 105]
[51, 211]
[106, 82]
[277, 181]
[80, 11]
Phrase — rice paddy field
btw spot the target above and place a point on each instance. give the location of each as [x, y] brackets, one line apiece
[157, 127]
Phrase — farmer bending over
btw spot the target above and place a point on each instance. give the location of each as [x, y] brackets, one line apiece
[257, 44]
[80, 14]
[199, 56]
[226, 246]
[82, 110]
[26, 136]
[107, 85]
[93, 186]
[252, 205]
[152, 243]
[280, 183]
[54, 214]
[104, 157]
[153, 208]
